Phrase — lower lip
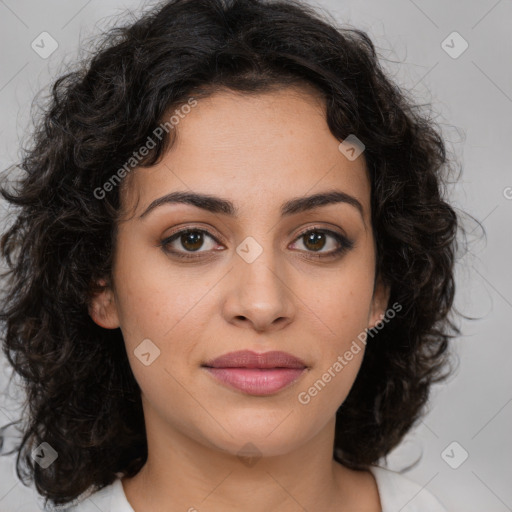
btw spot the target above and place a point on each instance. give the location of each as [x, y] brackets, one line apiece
[254, 381]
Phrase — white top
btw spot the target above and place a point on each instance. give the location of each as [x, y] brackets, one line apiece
[397, 494]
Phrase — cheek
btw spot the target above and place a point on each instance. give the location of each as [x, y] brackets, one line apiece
[166, 306]
[343, 310]
[344, 304]
[340, 350]
[328, 387]
[154, 298]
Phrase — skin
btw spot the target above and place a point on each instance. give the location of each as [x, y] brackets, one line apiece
[258, 151]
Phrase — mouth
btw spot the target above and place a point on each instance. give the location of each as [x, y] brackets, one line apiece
[256, 374]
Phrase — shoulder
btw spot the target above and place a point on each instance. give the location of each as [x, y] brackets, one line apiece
[398, 492]
[110, 498]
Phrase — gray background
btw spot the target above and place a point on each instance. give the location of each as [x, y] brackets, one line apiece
[472, 100]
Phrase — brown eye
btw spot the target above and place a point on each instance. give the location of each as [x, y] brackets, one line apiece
[191, 240]
[188, 241]
[315, 240]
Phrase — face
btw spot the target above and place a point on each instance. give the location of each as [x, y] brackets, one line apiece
[270, 275]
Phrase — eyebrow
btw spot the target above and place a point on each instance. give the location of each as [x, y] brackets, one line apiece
[223, 206]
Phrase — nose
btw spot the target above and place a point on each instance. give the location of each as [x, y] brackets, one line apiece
[259, 294]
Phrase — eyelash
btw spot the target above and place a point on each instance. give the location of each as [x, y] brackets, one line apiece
[345, 243]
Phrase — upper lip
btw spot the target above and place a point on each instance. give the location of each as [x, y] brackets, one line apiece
[249, 359]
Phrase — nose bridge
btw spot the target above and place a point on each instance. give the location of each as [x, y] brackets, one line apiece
[259, 291]
[257, 263]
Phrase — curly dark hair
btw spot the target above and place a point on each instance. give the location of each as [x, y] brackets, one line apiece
[82, 397]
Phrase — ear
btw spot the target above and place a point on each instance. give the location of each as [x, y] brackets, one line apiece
[379, 303]
[103, 309]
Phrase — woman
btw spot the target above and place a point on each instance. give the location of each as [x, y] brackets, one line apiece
[231, 273]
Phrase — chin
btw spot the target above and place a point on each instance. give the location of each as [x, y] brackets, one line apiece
[258, 440]
[249, 449]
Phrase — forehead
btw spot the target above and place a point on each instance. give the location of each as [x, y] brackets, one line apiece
[263, 147]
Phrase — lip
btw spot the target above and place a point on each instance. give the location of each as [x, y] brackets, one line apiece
[249, 359]
[256, 374]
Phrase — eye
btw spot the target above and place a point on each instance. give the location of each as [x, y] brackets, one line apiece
[313, 241]
[189, 239]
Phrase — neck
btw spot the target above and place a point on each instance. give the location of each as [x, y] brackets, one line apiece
[186, 474]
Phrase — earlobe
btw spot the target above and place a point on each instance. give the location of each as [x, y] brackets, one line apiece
[103, 309]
